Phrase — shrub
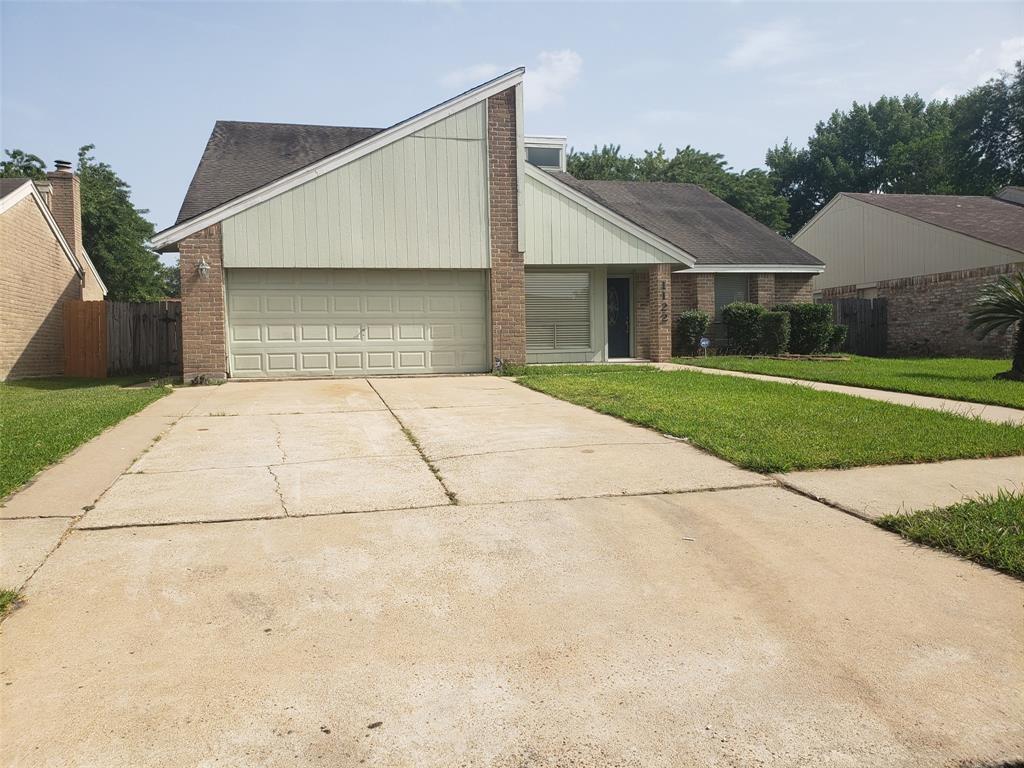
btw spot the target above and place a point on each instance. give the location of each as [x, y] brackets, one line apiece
[740, 320]
[810, 327]
[838, 337]
[773, 332]
[690, 326]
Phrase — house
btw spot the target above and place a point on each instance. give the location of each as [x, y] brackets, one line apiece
[42, 265]
[449, 242]
[927, 255]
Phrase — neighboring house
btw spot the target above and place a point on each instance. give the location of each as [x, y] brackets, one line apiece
[42, 265]
[928, 255]
[445, 243]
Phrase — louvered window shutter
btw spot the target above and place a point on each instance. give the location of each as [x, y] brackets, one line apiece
[557, 310]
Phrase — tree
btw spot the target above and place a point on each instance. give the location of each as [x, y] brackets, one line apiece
[172, 281]
[972, 145]
[22, 165]
[1000, 308]
[115, 233]
[750, 191]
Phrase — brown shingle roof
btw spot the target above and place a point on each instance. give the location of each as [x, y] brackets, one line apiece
[242, 156]
[9, 185]
[995, 221]
[706, 227]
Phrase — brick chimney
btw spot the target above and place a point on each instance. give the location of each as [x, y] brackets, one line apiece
[66, 204]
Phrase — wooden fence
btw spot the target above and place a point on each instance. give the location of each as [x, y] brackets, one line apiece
[867, 323]
[117, 338]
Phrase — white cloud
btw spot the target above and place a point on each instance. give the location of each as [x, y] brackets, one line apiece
[981, 65]
[546, 84]
[777, 43]
[469, 76]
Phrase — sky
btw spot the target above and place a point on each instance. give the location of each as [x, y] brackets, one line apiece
[145, 81]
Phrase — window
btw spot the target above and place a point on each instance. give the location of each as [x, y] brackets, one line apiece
[729, 288]
[545, 157]
[557, 310]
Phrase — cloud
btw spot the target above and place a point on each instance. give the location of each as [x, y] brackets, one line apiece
[469, 76]
[777, 43]
[546, 84]
[981, 65]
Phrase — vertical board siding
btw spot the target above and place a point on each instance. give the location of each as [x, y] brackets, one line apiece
[862, 243]
[561, 231]
[420, 202]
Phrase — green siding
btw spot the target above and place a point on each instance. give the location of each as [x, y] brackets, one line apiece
[419, 202]
[561, 231]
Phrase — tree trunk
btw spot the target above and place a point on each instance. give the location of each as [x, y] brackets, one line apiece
[1016, 372]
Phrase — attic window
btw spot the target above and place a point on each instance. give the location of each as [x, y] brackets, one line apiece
[545, 157]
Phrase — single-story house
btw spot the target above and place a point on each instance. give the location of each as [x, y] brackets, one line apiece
[42, 265]
[449, 242]
[927, 255]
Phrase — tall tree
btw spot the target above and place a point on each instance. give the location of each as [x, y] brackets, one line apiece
[750, 191]
[115, 233]
[971, 145]
[22, 165]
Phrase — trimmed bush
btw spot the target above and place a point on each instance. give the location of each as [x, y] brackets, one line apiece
[838, 337]
[810, 327]
[740, 320]
[773, 332]
[690, 326]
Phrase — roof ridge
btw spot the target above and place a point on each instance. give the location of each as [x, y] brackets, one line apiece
[297, 125]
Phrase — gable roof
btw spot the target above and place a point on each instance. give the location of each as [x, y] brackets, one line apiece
[13, 191]
[169, 237]
[240, 157]
[713, 232]
[1000, 222]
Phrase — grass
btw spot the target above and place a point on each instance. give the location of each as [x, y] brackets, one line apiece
[988, 530]
[960, 378]
[774, 427]
[42, 420]
[8, 598]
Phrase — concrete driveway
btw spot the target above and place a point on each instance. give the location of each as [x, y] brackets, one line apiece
[524, 582]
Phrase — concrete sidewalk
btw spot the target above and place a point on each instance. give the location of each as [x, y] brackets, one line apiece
[870, 492]
[995, 413]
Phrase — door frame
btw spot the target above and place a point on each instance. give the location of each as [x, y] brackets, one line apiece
[628, 277]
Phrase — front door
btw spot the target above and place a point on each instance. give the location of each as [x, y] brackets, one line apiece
[618, 317]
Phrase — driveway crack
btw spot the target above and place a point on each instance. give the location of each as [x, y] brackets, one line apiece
[419, 448]
[277, 490]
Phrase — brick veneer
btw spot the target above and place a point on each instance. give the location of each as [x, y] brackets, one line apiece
[794, 288]
[36, 279]
[66, 207]
[927, 314]
[203, 349]
[507, 276]
[660, 317]
[761, 289]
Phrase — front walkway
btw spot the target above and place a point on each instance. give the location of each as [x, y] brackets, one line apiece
[995, 413]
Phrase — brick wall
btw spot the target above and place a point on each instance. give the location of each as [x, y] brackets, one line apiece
[693, 290]
[659, 309]
[927, 314]
[203, 347]
[91, 290]
[507, 277]
[793, 289]
[66, 206]
[642, 316]
[761, 289]
[35, 279]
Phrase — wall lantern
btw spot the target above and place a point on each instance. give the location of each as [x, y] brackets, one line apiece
[204, 269]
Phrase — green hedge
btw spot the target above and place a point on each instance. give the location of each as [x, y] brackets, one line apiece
[741, 325]
[690, 326]
[773, 333]
[839, 333]
[810, 327]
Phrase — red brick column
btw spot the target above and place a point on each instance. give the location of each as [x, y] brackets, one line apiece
[659, 281]
[705, 284]
[762, 289]
[203, 348]
[508, 289]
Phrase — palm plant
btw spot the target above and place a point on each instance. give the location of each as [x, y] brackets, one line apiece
[999, 307]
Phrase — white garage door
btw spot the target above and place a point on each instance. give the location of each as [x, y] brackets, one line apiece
[337, 322]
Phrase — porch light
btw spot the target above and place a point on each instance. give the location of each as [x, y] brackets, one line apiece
[204, 269]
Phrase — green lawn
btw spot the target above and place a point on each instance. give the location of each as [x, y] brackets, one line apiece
[774, 427]
[41, 420]
[960, 378]
[989, 530]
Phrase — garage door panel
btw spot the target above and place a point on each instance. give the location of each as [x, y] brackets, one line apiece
[346, 322]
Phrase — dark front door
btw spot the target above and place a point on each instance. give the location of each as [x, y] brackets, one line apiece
[618, 317]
